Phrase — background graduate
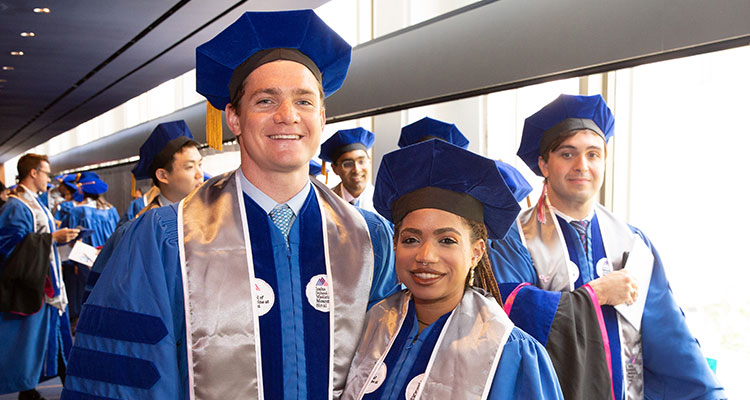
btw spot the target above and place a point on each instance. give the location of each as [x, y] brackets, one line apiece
[34, 327]
[96, 214]
[347, 152]
[445, 337]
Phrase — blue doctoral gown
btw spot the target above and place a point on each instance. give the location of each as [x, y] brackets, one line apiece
[135, 207]
[130, 340]
[29, 345]
[103, 223]
[524, 371]
[673, 364]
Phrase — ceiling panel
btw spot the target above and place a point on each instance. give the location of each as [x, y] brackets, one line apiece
[88, 56]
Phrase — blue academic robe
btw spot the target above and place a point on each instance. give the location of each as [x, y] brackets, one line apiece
[673, 364]
[103, 257]
[63, 209]
[30, 345]
[130, 340]
[103, 223]
[135, 207]
[524, 371]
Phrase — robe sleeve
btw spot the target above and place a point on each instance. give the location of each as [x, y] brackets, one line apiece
[525, 371]
[135, 206]
[130, 340]
[511, 261]
[570, 326]
[673, 364]
[16, 221]
[384, 280]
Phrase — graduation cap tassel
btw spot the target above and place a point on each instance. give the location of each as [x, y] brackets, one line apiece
[541, 213]
[213, 127]
[324, 171]
[132, 185]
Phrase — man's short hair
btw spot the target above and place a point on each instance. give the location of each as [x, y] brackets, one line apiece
[27, 162]
[170, 164]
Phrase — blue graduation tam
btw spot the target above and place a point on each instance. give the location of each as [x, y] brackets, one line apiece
[160, 146]
[517, 184]
[315, 168]
[428, 128]
[344, 141]
[256, 38]
[91, 184]
[437, 174]
[565, 113]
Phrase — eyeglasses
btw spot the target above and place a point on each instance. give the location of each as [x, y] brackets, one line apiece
[349, 164]
[48, 173]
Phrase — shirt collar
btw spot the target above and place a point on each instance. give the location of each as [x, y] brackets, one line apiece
[348, 197]
[267, 203]
[163, 201]
[568, 218]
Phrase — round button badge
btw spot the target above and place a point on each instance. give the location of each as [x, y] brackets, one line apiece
[264, 297]
[318, 292]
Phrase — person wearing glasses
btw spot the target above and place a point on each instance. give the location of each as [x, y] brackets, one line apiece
[34, 325]
[347, 152]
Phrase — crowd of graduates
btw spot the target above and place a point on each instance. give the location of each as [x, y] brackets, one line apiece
[262, 282]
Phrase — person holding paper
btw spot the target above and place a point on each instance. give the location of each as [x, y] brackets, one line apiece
[34, 326]
[586, 284]
[92, 213]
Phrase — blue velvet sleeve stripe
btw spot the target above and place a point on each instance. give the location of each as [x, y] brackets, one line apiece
[73, 395]
[534, 311]
[121, 325]
[112, 368]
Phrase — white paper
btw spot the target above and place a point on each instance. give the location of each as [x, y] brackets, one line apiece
[640, 264]
[83, 253]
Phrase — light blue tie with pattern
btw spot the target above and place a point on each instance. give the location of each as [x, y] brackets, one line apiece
[282, 216]
[581, 227]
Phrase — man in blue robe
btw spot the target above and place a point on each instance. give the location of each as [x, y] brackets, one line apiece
[588, 286]
[34, 325]
[257, 283]
[347, 152]
[170, 158]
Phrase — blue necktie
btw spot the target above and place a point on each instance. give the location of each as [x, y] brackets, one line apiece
[580, 227]
[282, 216]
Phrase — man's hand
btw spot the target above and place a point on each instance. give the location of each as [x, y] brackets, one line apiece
[615, 288]
[64, 235]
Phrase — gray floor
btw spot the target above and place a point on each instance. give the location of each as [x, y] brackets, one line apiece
[50, 390]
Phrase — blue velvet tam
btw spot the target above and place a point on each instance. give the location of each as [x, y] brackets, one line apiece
[428, 128]
[517, 184]
[256, 38]
[91, 185]
[566, 113]
[206, 177]
[160, 146]
[437, 174]
[315, 168]
[344, 141]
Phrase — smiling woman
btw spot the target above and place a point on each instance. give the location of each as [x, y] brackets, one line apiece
[445, 337]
